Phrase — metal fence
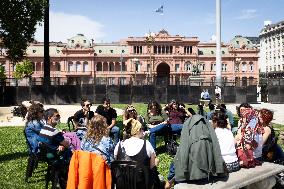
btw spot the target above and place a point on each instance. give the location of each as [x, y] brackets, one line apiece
[155, 81]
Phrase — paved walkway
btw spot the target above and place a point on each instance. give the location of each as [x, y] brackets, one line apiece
[7, 119]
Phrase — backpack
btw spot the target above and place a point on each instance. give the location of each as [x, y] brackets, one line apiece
[268, 148]
[126, 173]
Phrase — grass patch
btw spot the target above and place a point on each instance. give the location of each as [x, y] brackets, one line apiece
[13, 155]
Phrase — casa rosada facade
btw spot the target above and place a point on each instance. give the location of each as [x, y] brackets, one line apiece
[142, 60]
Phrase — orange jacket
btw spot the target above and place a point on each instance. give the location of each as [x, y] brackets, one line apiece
[88, 170]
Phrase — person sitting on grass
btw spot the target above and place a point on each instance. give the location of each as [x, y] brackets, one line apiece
[110, 114]
[156, 121]
[140, 150]
[97, 139]
[130, 112]
[82, 117]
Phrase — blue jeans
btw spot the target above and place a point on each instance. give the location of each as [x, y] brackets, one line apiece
[114, 131]
[159, 130]
[171, 174]
[176, 128]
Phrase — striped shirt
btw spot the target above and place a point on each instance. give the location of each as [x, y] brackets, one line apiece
[51, 136]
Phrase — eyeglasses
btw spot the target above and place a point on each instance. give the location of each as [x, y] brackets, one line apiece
[57, 116]
[88, 105]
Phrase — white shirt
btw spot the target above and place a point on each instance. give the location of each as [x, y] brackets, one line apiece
[134, 145]
[227, 144]
[218, 91]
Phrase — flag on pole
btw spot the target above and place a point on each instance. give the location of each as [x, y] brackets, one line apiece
[160, 10]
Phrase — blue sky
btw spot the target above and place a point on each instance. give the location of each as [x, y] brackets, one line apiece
[112, 20]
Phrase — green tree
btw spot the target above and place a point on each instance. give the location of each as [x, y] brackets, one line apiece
[2, 73]
[24, 69]
[18, 20]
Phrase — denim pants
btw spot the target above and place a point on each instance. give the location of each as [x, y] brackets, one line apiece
[176, 128]
[161, 130]
[114, 133]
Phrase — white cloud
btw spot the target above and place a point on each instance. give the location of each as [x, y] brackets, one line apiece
[247, 14]
[64, 26]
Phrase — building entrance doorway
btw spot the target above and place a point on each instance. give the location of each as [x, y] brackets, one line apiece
[163, 74]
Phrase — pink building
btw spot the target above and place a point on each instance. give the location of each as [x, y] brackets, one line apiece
[166, 58]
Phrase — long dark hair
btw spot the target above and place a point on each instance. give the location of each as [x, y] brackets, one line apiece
[33, 111]
[158, 107]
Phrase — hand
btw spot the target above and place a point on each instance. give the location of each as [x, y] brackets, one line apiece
[150, 126]
[60, 148]
[248, 146]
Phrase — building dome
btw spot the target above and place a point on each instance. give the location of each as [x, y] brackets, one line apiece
[240, 42]
[78, 41]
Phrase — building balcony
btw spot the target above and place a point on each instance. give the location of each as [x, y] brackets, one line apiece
[77, 73]
[63, 73]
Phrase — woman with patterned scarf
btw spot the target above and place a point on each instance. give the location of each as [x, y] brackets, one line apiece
[249, 138]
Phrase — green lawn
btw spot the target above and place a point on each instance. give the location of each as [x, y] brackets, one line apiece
[13, 156]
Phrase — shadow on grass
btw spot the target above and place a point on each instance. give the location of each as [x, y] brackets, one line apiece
[13, 156]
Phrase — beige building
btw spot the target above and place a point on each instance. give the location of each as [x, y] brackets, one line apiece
[272, 48]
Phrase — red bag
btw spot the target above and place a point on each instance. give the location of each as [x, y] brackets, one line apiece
[246, 158]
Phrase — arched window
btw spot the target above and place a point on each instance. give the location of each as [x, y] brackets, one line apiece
[188, 66]
[244, 67]
[213, 66]
[224, 67]
[251, 66]
[111, 66]
[99, 66]
[85, 66]
[57, 66]
[70, 67]
[78, 66]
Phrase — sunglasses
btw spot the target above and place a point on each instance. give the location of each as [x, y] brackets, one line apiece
[88, 105]
[57, 116]
[131, 110]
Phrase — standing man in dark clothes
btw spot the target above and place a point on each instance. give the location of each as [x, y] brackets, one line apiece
[110, 114]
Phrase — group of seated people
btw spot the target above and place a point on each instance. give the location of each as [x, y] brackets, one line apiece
[97, 132]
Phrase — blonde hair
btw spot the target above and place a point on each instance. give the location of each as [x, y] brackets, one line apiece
[97, 128]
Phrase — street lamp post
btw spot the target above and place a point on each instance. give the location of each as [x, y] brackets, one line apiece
[121, 60]
[135, 60]
[150, 39]
[236, 67]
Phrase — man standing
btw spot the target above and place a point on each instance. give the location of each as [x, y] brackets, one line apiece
[110, 114]
[218, 94]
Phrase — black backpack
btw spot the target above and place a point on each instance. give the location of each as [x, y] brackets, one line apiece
[268, 149]
[126, 173]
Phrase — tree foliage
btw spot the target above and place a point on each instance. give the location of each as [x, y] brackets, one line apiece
[2, 72]
[24, 69]
[18, 20]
